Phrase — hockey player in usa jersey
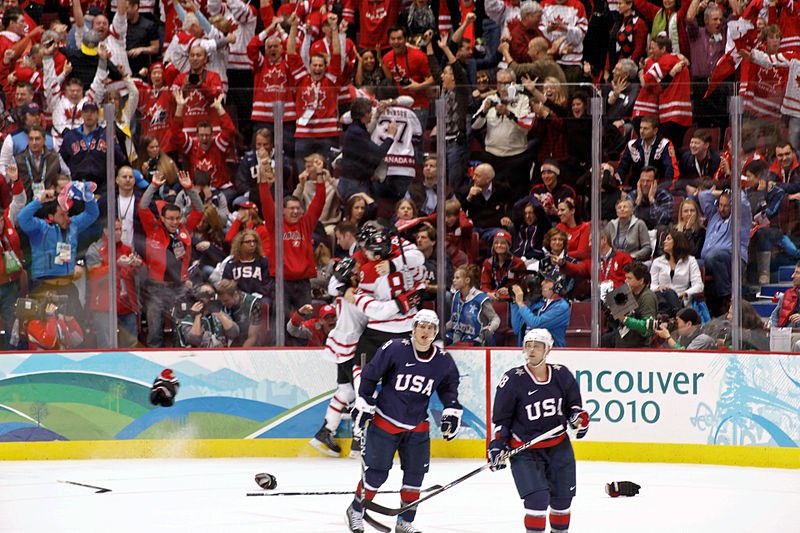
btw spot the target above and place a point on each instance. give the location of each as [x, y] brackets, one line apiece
[410, 371]
[531, 400]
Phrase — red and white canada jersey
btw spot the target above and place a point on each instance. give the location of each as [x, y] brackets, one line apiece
[340, 346]
[400, 159]
[406, 275]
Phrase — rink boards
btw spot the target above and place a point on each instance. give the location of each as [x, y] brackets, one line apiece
[719, 408]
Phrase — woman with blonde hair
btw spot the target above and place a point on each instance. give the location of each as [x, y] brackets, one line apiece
[473, 320]
[248, 266]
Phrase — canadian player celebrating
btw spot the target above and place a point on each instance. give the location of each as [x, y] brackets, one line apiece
[531, 400]
[410, 370]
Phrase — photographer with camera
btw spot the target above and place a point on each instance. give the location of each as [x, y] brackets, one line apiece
[635, 328]
[684, 332]
[545, 307]
[47, 323]
[206, 324]
[245, 309]
[508, 118]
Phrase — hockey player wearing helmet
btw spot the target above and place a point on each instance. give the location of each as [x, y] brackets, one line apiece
[340, 346]
[410, 370]
[531, 400]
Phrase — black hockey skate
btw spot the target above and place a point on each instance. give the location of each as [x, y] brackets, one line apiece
[355, 448]
[323, 441]
[354, 520]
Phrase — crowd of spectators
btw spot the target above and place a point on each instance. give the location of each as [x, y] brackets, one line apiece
[203, 89]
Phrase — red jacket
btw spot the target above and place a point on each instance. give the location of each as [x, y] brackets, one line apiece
[9, 240]
[158, 240]
[298, 248]
[126, 283]
[788, 305]
[54, 333]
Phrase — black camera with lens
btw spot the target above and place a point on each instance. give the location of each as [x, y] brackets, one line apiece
[36, 309]
[405, 82]
[213, 306]
[670, 324]
[194, 79]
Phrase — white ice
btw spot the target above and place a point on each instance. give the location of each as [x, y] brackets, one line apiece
[205, 495]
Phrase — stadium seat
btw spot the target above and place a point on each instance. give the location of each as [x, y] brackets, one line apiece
[579, 330]
[504, 336]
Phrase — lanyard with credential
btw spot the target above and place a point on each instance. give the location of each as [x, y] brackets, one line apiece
[30, 168]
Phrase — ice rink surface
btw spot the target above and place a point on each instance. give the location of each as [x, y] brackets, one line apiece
[202, 495]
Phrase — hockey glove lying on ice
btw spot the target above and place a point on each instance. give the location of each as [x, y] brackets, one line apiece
[164, 389]
[450, 422]
[579, 421]
[622, 488]
[362, 411]
[498, 454]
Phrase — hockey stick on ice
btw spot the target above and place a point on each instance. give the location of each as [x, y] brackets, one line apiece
[99, 490]
[372, 506]
[331, 492]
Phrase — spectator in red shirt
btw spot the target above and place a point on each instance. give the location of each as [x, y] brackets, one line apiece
[298, 248]
[410, 70]
[314, 329]
[206, 151]
[502, 269]
[521, 30]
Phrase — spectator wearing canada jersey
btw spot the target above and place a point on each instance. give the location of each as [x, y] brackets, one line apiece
[14, 40]
[97, 264]
[168, 246]
[298, 249]
[410, 70]
[316, 96]
[206, 152]
[566, 18]
[113, 36]
[156, 105]
[665, 90]
[272, 82]
[375, 17]
[199, 87]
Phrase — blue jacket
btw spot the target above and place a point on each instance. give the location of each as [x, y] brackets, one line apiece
[554, 318]
[718, 230]
[85, 155]
[45, 236]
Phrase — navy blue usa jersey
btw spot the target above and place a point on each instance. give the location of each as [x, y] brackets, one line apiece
[408, 382]
[524, 408]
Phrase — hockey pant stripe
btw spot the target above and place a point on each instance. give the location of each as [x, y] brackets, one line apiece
[560, 514]
[536, 511]
[409, 493]
[373, 479]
